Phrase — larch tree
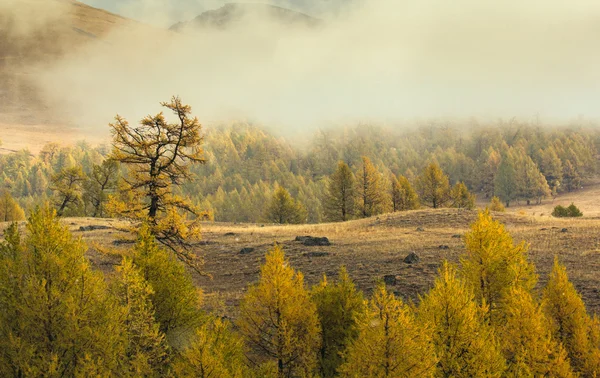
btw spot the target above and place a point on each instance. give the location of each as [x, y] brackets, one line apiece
[340, 307]
[465, 344]
[215, 352]
[10, 211]
[526, 340]
[371, 194]
[551, 166]
[404, 197]
[570, 322]
[493, 265]
[102, 180]
[285, 209]
[505, 182]
[341, 194]
[571, 177]
[158, 155]
[461, 197]
[278, 319]
[390, 342]
[175, 298]
[67, 186]
[57, 318]
[433, 187]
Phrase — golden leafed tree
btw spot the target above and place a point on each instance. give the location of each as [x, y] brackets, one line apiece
[371, 192]
[67, 186]
[570, 322]
[390, 342]
[461, 197]
[433, 186]
[404, 197]
[157, 154]
[10, 210]
[493, 265]
[464, 343]
[284, 209]
[279, 321]
[341, 194]
[527, 342]
[215, 352]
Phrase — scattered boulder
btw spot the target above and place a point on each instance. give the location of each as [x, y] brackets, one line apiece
[246, 250]
[229, 234]
[411, 258]
[564, 230]
[443, 247]
[312, 241]
[122, 241]
[389, 279]
[93, 227]
[315, 254]
[420, 229]
[543, 229]
[456, 236]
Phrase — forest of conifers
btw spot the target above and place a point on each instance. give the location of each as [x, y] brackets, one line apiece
[245, 165]
[484, 317]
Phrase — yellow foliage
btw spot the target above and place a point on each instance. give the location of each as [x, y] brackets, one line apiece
[390, 342]
[465, 344]
[278, 319]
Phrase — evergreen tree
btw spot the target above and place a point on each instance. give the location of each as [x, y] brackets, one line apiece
[493, 265]
[390, 343]
[67, 185]
[551, 166]
[10, 211]
[284, 209]
[433, 186]
[175, 299]
[371, 194]
[527, 343]
[505, 184]
[531, 183]
[339, 307]
[464, 343]
[404, 197]
[279, 321]
[461, 197]
[215, 352]
[146, 350]
[57, 318]
[571, 177]
[341, 194]
[570, 323]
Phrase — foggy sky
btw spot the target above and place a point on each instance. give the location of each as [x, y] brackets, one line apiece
[380, 60]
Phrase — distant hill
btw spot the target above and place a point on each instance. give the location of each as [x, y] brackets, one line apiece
[234, 13]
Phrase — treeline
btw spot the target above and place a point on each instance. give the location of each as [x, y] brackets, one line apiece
[246, 166]
[482, 317]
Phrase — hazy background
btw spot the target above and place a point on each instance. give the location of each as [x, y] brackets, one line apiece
[377, 60]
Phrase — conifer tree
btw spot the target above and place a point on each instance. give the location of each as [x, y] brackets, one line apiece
[493, 265]
[158, 155]
[464, 343]
[279, 321]
[551, 166]
[371, 194]
[496, 205]
[390, 343]
[461, 197]
[340, 307]
[67, 185]
[10, 210]
[175, 299]
[341, 194]
[284, 209]
[57, 318]
[505, 183]
[571, 177]
[527, 343]
[146, 349]
[433, 186]
[404, 197]
[215, 352]
[570, 323]
[101, 181]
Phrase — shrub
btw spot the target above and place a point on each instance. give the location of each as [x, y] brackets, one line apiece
[566, 212]
[496, 204]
